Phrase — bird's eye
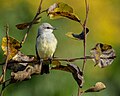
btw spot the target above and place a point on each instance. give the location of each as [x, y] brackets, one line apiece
[47, 27]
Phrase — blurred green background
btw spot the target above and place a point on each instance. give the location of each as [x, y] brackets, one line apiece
[104, 25]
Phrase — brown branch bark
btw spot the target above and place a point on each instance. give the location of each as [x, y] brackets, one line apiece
[58, 59]
[84, 42]
[6, 62]
[31, 23]
[84, 28]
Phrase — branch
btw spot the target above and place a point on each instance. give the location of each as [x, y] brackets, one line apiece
[6, 62]
[31, 23]
[87, 11]
[84, 28]
[35, 68]
[84, 42]
[79, 91]
[58, 59]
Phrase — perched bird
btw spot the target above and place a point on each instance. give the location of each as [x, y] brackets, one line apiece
[46, 44]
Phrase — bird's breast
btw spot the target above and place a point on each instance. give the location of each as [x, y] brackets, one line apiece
[46, 45]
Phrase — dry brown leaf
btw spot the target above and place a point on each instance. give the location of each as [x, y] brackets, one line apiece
[26, 74]
[103, 54]
[23, 26]
[77, 74]
[98, 87]
[20, 57]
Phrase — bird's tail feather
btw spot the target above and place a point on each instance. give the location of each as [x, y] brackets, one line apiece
[45, 68]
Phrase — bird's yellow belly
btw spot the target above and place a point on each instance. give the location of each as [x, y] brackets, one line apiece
[46, 49]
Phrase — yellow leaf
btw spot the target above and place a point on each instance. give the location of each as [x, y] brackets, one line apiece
[70, 35]
[61, 9]
[60, 6]
[56, 63]
[75, 36]
[65, 7]
[13, 48]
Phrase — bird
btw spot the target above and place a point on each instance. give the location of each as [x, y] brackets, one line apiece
[46, 44]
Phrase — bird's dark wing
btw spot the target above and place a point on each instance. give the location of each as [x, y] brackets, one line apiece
[37, 52]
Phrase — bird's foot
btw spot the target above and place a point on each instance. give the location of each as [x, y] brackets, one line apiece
[40, 61]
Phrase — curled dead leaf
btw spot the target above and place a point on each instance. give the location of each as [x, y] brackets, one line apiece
[77, 74]
[103, 54]
[75, 36]
[22, 57]
[23, 26]
[98, 87]
[21, 75]
[19, 57]
[70, 35]
[26, 73]
[14, 46]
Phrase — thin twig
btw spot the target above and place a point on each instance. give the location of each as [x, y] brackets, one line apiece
[87, 11]
[6, 62]
[79, 92]
[30, 26]
[84, 42]
[84, 28]
[6, 81]
[3, 88]
[72, 59]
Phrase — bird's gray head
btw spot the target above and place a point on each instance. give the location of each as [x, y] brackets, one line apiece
[45, 28]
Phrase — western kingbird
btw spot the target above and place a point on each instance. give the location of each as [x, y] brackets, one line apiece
[46, 44]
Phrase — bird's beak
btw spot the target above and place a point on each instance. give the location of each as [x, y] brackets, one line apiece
[54, 28]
